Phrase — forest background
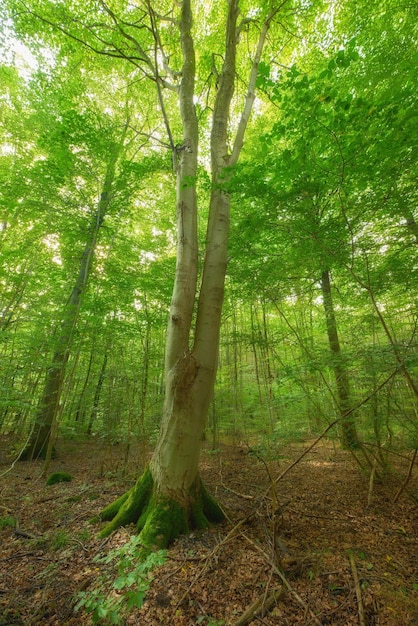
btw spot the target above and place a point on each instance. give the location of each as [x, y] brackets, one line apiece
[318, 328]
[320, 302]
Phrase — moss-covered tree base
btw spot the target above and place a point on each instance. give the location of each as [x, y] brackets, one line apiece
[160, 519]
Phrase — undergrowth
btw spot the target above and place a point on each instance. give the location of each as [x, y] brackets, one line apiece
[113, 597]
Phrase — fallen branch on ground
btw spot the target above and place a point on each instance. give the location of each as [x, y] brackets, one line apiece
[260, 607]
[407, 478]
[361, 614]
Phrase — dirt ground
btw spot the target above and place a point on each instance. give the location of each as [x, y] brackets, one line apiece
[316, 545]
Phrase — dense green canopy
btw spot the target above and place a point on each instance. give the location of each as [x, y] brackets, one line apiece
[326, 183]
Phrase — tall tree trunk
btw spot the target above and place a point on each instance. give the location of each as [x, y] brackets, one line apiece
[170, 498]
[349, 436]
[49, 403]
[97, 392]
[80, 410]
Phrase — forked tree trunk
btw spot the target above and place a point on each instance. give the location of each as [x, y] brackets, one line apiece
[40, 442]
[169, 498]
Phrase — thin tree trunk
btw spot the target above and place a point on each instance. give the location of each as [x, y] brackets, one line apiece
[349, 438]
[255, 333]
[50, 400]
[98, 390]
[79, 412]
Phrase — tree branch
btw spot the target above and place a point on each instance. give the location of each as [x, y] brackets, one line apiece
[250, 97]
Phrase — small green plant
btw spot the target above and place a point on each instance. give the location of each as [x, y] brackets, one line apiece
[84, 535]
[59, 539]
[113, 597]
[7, 522]
[59, 477]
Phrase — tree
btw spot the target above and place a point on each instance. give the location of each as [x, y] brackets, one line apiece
[42, 438]
[349, 433]
[170, 497]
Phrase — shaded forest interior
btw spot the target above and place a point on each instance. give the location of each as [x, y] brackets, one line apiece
[320, 515]
[208, 311]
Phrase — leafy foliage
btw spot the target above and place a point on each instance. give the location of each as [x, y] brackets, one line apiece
[112, 598]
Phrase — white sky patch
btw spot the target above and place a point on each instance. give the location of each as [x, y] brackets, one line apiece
[15, 52]
[6, 149]
[147, 257]
[23, 59]
[52, 242]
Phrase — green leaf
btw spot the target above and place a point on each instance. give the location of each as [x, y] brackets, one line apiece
[120, 582]
[135, 599]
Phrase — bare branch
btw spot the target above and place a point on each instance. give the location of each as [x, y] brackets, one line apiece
[127, 36]
[157, 45]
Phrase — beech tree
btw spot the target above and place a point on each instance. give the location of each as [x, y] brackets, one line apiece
[169, 498]
[215, 96]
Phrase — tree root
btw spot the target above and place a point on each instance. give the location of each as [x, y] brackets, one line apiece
[160, 519]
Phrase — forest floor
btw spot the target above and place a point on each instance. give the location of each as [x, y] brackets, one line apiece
[320, 547]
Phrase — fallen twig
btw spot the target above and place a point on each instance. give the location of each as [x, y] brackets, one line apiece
[24, 534]
[212, 554]
[407, 478]
[260, 607]
[236, 493]
[361, 614]
[283, 578]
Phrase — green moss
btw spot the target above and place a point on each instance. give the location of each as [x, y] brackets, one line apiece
[159, 520]
[7, 522]
[112, 509]
[165, 520]
[204, 509]
[59, 477]
[126, 509]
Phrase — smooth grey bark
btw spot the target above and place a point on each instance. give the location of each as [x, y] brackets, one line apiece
[178, 499]
[191, 363]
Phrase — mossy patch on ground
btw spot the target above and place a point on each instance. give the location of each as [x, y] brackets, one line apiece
[59, 477]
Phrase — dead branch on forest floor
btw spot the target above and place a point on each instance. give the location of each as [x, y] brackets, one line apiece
[283, 578]
[207, 558]
[361, 614]
[260, 607]
[407, 478]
